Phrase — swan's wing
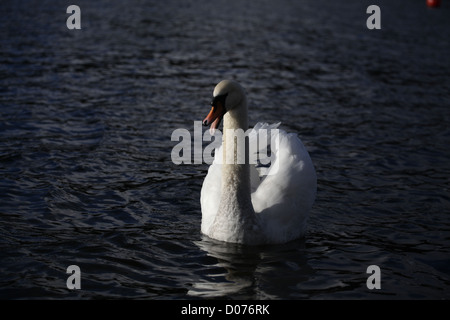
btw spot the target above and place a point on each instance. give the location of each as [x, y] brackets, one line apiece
[259, 142]
[286, 194]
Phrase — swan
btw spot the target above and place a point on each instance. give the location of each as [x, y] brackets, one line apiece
[242, 203]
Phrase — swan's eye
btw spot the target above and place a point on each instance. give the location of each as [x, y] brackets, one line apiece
[219, 99]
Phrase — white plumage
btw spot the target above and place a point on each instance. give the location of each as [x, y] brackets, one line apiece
[245, 204]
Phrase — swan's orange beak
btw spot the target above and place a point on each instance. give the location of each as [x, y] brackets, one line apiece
[214, 116]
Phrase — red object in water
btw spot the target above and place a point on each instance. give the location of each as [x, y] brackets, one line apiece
[433, 3]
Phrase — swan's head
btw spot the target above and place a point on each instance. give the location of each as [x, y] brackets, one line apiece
[227, 96]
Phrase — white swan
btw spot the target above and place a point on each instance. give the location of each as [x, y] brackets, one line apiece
[243, 204]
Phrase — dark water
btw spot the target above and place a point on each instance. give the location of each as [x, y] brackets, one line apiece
[86, 123]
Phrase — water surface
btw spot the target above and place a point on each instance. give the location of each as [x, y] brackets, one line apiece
[86, 121]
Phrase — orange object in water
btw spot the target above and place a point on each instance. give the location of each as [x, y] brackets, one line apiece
[433, 3]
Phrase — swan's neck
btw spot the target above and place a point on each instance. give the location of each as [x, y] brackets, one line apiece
[235, 124]
[237, 118]
[236, 220]
[235, 169]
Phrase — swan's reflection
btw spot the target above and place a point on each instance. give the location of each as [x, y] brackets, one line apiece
[251, 272]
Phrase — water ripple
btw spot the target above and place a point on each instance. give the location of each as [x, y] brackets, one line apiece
[86, 121]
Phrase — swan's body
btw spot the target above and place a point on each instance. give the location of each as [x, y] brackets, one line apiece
[242, 204]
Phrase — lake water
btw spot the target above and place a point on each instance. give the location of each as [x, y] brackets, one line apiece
[85, 144]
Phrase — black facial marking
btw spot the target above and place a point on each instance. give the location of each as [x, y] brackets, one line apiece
[221, 98]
